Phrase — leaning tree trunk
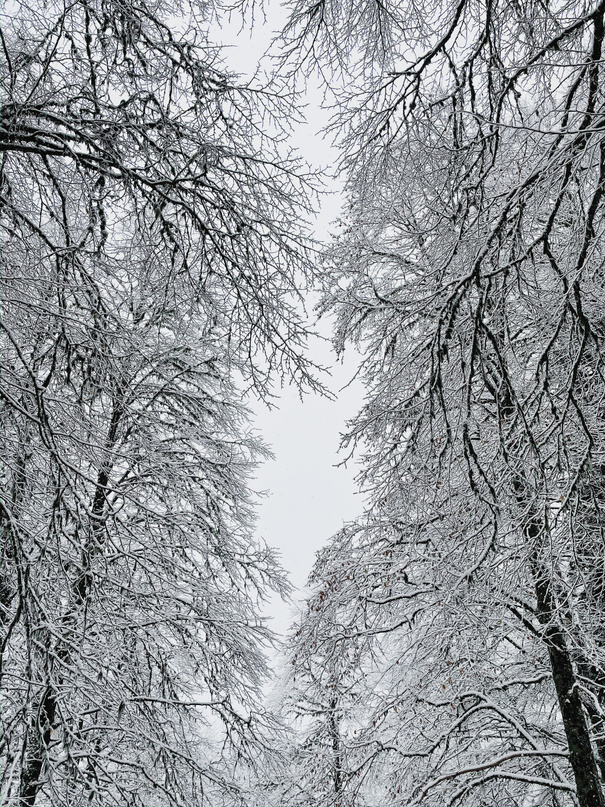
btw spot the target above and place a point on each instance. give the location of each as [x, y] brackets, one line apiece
[581, 753]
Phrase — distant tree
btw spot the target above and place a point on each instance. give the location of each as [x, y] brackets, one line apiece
[470, 275]
[326, 690]
[150, 267]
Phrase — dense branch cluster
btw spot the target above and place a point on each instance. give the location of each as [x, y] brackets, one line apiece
[452, 649]
[150, 271]
[470, 275]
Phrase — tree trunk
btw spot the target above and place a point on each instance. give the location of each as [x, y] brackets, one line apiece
[36, 744]
[581, 753]
[337, 761]
[43, 718]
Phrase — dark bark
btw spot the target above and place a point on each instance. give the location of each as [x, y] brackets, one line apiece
[581, 753]
[337, 761]
[589, 550]
[42, 721]
[36, 746]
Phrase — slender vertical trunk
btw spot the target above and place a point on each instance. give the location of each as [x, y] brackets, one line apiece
[336, 754]
[582, 756]
[589, 550]
[42, 720]
[36, 745]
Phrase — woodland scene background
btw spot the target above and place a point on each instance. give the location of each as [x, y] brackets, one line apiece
[163, 274]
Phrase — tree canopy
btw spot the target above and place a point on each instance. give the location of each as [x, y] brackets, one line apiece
[452, 648]
[151, 275]
[469, 273]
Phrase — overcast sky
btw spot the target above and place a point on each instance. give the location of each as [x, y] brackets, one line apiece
[308, 497]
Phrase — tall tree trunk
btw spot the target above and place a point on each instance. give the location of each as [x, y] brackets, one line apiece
[582, 756]
[581, 753]
[42, 720]
[337, 760]
[36, 744]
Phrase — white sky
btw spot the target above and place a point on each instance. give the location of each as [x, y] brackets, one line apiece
[308, 497]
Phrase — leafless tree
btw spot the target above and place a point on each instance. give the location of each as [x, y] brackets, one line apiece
[326, 688]
[150, 268]
[470, 274]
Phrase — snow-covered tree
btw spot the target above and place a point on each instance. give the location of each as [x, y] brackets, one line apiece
[470, 275]
[150, 268]
[326, 689]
